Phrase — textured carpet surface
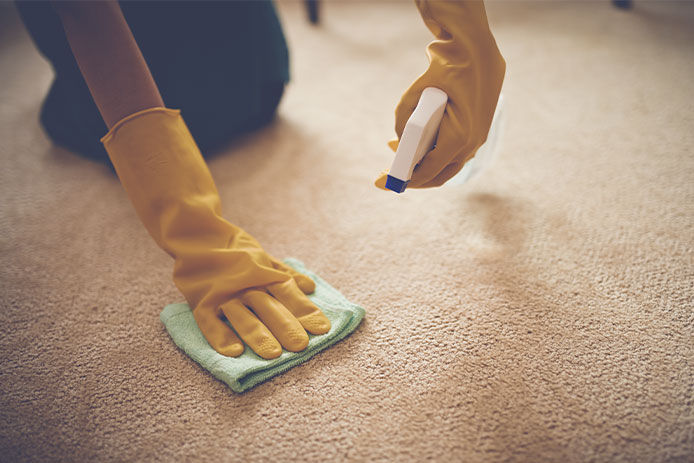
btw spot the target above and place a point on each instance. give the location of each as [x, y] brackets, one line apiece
[542, 312]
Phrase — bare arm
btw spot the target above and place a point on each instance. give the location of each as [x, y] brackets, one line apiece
[108, 56]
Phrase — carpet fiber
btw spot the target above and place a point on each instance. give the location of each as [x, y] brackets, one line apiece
[542, 312]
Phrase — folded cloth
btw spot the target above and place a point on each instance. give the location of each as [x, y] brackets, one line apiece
[243, 372]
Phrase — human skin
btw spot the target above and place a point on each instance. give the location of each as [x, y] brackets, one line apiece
[176, 194]
[108, 57]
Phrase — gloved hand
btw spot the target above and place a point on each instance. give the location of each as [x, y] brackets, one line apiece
[466, 64]
[222, 271]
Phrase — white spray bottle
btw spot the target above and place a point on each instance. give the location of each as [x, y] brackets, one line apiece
[419, 137]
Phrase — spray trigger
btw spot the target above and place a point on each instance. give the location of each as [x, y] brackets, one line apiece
[418, 137]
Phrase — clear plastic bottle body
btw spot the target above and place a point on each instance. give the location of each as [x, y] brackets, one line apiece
[486, 153]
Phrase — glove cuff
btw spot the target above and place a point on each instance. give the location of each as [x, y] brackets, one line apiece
[108, 138]
[166, 178]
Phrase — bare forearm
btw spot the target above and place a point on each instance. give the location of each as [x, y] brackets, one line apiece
[108, 56]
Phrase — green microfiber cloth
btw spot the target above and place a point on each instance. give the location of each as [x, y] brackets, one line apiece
[243, 372]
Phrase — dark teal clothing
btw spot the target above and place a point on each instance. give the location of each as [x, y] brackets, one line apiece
[224, 64]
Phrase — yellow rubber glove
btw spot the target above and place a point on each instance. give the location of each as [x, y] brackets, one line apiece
[464, 62]
[221, 270]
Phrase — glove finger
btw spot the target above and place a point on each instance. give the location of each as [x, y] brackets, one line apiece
[393, 144]
[445, 175]
[309, 315]
[305, 282]
[278, 319]
[381, 181]
[218, 334]
[251, 330]
[447, 148]
[405, 108]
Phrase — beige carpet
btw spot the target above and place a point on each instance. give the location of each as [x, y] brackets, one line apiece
[542, 312]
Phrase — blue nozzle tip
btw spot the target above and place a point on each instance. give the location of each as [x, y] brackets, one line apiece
[396, 185]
